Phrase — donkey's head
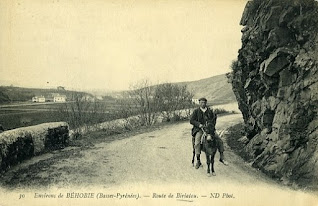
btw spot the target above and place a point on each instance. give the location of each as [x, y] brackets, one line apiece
[209, 129]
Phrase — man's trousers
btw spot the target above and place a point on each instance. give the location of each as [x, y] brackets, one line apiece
[196, 141]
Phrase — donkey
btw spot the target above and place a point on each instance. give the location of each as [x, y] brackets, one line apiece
[209, 147]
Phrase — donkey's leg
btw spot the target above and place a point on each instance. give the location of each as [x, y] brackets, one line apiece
[212, 163]
[193, 156]
[208, 162]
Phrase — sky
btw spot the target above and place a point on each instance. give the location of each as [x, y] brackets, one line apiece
[112, 44]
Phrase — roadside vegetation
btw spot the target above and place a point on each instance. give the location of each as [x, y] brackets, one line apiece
[235, 139]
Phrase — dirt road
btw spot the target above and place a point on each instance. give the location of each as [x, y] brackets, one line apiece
[150, 164]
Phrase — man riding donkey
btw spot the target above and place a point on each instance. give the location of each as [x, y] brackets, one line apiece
[201, 117]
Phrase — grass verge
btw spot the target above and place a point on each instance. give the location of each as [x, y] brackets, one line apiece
[232, 138]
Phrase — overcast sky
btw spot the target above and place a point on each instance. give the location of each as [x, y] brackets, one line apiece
[109, 44]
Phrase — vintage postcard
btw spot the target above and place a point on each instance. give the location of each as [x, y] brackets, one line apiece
[157, 102]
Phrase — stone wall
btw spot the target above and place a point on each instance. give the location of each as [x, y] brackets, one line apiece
[23, 143]
[275, 80]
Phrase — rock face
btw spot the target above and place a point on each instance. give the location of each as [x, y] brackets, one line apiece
[275, 80]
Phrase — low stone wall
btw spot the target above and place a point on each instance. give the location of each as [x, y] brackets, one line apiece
[23, 143]
[122, 123]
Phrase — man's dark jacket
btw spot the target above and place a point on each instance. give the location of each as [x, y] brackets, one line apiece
[198, 117]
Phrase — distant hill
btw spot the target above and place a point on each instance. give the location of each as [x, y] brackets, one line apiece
[216, 89]
[16, 94]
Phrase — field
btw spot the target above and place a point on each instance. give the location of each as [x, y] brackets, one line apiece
[27, 114]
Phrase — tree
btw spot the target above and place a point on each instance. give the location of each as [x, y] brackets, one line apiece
[172, 99]
[142, 96]
[82, 112]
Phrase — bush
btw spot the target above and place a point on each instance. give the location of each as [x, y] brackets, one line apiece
[221, 111]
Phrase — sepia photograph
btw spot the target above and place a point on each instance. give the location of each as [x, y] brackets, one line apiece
[158, 102]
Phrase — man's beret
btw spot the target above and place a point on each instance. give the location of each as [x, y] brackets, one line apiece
[203, 99]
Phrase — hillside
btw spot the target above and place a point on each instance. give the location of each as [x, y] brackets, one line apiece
[216, 89]
[16, 94]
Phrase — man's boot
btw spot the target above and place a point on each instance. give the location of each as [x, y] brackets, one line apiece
[198, 162]
[198, 165]
[222, 159]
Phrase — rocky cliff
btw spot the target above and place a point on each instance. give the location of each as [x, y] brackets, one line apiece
[275, 80]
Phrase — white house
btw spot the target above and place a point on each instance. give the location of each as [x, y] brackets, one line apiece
[99, 98]
[38, 99]
[195, 101]
[88, 98]
[59, 98]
